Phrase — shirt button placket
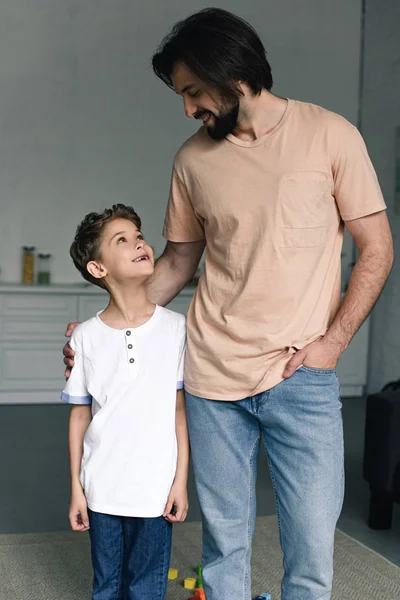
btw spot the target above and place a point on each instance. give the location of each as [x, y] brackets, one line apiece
[130, 348]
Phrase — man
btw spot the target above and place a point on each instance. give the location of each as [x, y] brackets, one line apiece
[266, 185]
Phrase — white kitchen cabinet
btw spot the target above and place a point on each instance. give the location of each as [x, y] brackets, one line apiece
[33, 320]
[88, 306]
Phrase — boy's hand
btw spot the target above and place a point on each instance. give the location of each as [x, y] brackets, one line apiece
[78, 513]
[177, 505]
[68, 352]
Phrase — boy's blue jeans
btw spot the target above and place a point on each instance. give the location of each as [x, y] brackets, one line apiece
[302, 426]
[130, 557]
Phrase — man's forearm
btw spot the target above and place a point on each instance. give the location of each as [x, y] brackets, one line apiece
[166, 282]
[173, 270]
[366, 283]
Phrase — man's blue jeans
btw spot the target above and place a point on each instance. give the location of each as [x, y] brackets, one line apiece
[302, 426]
[130, 557]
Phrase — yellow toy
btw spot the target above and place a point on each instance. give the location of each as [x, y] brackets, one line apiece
[189, 583]
[172, 574]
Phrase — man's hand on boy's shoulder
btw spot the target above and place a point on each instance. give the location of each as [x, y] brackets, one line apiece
[177, 505]
[67, 350]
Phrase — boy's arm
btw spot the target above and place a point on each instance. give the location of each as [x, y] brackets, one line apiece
[79, 421]
[178, 494]
[182, 437]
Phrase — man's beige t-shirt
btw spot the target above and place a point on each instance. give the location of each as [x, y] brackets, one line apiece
[271, 212]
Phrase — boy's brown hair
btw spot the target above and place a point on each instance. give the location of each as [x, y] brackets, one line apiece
[88, 237]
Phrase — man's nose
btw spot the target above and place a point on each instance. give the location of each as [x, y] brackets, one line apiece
[189, 107]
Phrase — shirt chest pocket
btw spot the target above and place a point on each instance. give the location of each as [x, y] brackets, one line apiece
[305, 205]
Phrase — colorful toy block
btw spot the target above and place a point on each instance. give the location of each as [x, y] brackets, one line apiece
[199, 594]
[189, 583]
[172, 574]
[199, 572]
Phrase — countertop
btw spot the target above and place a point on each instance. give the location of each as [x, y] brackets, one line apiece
[64, 288]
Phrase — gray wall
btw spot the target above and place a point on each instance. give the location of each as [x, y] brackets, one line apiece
[84, 122]
[380, 117]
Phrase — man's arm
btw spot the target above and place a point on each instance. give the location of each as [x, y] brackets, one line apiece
[373, 238]
[173, 270]
[79, 421]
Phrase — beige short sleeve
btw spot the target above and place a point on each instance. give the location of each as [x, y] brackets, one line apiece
[356, 187]
[181, 223]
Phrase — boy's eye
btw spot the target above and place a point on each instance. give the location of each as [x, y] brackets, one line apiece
[140, 237]
[194, 94]
[121, 239]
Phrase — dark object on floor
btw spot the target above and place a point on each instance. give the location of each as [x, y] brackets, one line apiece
[382, 456]
[392, 386]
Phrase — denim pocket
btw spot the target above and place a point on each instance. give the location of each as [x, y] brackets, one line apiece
[319, 371]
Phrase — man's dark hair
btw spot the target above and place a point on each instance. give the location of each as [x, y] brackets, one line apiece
[219, 48]
[88, 237]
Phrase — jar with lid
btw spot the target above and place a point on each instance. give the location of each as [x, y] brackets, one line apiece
[28, 264]
[43, 276]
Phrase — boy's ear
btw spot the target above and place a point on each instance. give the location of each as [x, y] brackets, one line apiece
[96, 269]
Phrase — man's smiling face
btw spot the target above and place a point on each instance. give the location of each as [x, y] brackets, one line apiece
[200, 102]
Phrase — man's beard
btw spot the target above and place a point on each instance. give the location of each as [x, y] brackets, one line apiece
[224, 123]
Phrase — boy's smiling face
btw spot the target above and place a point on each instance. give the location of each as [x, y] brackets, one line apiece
[124, 254]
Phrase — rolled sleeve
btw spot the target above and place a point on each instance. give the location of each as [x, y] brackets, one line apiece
[75, 399]
[75, 391]
[181, 364]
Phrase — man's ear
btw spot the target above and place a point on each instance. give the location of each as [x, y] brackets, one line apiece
[96, 269]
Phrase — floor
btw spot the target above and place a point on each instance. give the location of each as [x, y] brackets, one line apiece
[34, 476]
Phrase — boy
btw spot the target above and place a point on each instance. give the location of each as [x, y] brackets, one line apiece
[128, 436]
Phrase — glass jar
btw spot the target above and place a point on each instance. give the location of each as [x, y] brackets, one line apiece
[43, 276]
[28, 264]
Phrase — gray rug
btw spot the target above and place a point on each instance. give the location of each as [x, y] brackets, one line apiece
[56, 566]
